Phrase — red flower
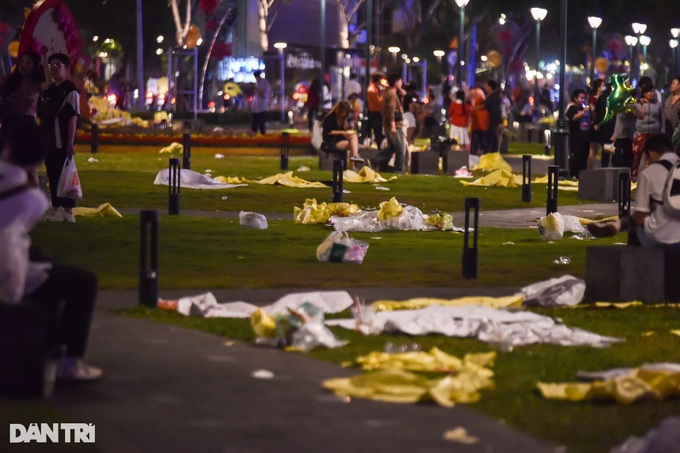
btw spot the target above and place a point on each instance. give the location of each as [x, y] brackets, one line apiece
[221, 50]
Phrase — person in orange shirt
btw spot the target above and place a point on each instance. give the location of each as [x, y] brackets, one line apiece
[459, 114]
[375, 107]
[479, 125]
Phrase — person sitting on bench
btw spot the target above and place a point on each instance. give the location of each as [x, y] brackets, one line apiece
[23, 203]
[336, 136]
[649, 225]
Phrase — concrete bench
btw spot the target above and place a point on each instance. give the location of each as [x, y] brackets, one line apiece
[625, 273]
[425, 163]
[453, 160]
[27, 353]
[326, 159]
[600, 184]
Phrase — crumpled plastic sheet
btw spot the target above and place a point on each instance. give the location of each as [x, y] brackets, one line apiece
[190, 179]
[300, 328]
[365, 175]
[205, 305]
[288, 180]
[411, 218]
[312, 212]
[400, 386]
[556, 292]
[505, 328]
[172, 148]
[434, 360]
[553, 226]
[255, 220]
[649, 382]
[514, 301]
[103, 210]
[492, 162]
[498, 178]
[665, 438]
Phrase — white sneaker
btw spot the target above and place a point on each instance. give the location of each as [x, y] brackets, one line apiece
[72, 369]
[68, 217]
[55, 215]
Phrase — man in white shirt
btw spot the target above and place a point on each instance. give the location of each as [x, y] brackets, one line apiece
[352, 86]
[652, 226]
[260, 107]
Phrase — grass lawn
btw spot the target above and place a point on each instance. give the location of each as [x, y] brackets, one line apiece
[207, 253]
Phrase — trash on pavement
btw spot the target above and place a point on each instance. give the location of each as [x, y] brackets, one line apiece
[252, 220]
[262, 374]
[92, 160]
[460, 436]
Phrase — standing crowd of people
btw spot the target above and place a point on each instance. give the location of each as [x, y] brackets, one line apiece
[39, 111]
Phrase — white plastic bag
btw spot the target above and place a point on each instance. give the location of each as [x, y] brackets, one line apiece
[14, 244]
[69, 182]
[556, 292]
[253, 220]
[551, 227]
[317, 135]
[339, 247]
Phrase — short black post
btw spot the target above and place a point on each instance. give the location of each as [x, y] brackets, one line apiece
[285, 149]
[624, 194]
[94, 131]
[470, 254]
[148, 262]
[338, 168]
[186, 155]
[174, 177]
[553, 178]
[526, 178]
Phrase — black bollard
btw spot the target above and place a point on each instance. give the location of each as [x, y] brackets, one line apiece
[624, 194]
[148, 259]
[470, 254]
[186, 154]
[526, 178]
[174, 177]
[285, 149]
[338, 168]
[553, 178]
[95, 138]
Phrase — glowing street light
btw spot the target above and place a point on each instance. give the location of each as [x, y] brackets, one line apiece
[639, 30]
[594, 23]
[644, 41]
[394, 50]
[538, 14]
[280, 46]
[160, 39]
[674, 52]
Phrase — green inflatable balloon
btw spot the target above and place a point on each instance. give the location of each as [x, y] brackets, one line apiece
[621, 97]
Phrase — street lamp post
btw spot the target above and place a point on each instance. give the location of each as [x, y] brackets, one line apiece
[280, 46]
[538, 14]
[644, 40]
[561, 133]
[638, 29]
[674, 34]
[439, 54]
[594, 23]
[631, 41]
[394, 50]
[461, 41]
[674, 52]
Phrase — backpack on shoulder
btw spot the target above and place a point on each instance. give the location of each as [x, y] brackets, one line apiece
[671, 190]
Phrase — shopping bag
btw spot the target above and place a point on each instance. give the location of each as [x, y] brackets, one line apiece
[69, 182]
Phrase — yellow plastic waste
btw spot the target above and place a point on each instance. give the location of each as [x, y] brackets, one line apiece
[365, 175]
[231, 180]
[434, 360]
[643, 383]
[501, 178]
[103, 210]
[514, 301]
[288, 180]
[312, 213]
[172, 148]
[263, 325]
[675, 332]
[442, 221]
[491, 162]
[390, 209]
[400, 386]
[460, 436]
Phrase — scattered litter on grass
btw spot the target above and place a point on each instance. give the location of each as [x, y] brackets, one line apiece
[462, 172]
[346, 191]
[339, 247]
[385, 189]
[312, 212]
[553, 226]
[219, 156]
[665, 438]
[365, 175]
[103, 210]
[92, 160]
[562, 260]
[676, 332]
[229, 343]
[252, 220]
[303, 168]
[262, 374]
[508, 243]
[190, 179]
[172, 148]
[649, 382]
[392, 348]
[225, 197]
[460, 435]
[556, 292]
[377, 238]
[648, 334]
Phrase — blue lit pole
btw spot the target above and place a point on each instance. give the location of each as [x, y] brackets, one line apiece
[594, 23]
[538, 14]
[461, 42]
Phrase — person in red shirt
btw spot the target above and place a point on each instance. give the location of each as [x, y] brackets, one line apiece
[459, 114]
